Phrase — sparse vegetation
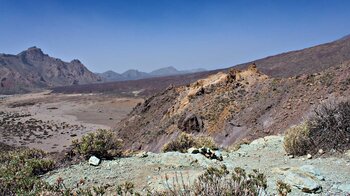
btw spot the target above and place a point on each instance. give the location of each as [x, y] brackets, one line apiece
[102, 143]
[185, 141]
[218, 181]
[283, 188]
[328, 129]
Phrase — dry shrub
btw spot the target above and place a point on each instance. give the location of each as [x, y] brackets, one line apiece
[297, 140]
[185, 141]
[282, 188]
[330, 126]
[102, 144]
[219, 181]
[181, 143]
[205, 141]
[236, 146]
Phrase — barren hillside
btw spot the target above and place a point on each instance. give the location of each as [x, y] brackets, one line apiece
[231, 106]
[305, 61]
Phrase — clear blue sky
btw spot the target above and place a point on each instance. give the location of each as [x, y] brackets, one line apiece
[147, 35]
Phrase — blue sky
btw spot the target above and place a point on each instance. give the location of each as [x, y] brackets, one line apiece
[148, 34]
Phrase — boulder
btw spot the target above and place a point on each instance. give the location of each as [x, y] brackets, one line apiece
[94, 161]
[311, 170]
[218, 155]
[303, 181]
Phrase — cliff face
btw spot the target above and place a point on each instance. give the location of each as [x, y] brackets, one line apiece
[32, 69]
[240, 104]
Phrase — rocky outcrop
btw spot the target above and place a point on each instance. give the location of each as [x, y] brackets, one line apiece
[32, 69]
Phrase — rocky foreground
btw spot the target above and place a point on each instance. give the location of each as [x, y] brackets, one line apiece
[325, 175]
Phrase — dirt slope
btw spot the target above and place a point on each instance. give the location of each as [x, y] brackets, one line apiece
[230, 107]
[305, 61]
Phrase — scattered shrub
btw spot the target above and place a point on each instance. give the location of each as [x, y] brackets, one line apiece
[127, 188]
[185, 141]
[283, 188]
[218, 181]
[297, 140]
[102, 144]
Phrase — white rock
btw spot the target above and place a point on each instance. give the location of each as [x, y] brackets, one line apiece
[320, 151]
[94, 161]
[142, 154]
[347, 153]
[309, 156]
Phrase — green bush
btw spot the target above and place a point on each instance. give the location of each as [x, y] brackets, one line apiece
[19, 170]
[102, 144]
[185, 141]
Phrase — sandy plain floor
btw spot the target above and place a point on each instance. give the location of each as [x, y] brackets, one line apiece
[51, 121]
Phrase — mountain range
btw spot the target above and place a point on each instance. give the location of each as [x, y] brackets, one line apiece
[32, 69]
[133, 74]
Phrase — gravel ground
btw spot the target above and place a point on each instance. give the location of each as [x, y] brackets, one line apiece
[266, 154]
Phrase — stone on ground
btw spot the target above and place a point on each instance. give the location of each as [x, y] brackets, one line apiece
[94, 161]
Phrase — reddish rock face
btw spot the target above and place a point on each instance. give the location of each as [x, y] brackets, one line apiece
[33, 69]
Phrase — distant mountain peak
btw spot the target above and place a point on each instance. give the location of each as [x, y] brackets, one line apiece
[35, 49]
[76, 61]
[33, 53]
[33, 69]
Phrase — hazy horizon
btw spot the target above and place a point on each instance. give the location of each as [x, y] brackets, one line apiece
[148, 35]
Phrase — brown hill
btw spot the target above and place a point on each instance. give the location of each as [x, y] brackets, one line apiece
[306, 61]
[231, 106]
[33, 69]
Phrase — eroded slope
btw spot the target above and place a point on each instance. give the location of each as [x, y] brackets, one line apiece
[231, 106]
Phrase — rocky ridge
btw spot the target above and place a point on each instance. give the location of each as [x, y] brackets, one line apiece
[32, 69]
[235, 106]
